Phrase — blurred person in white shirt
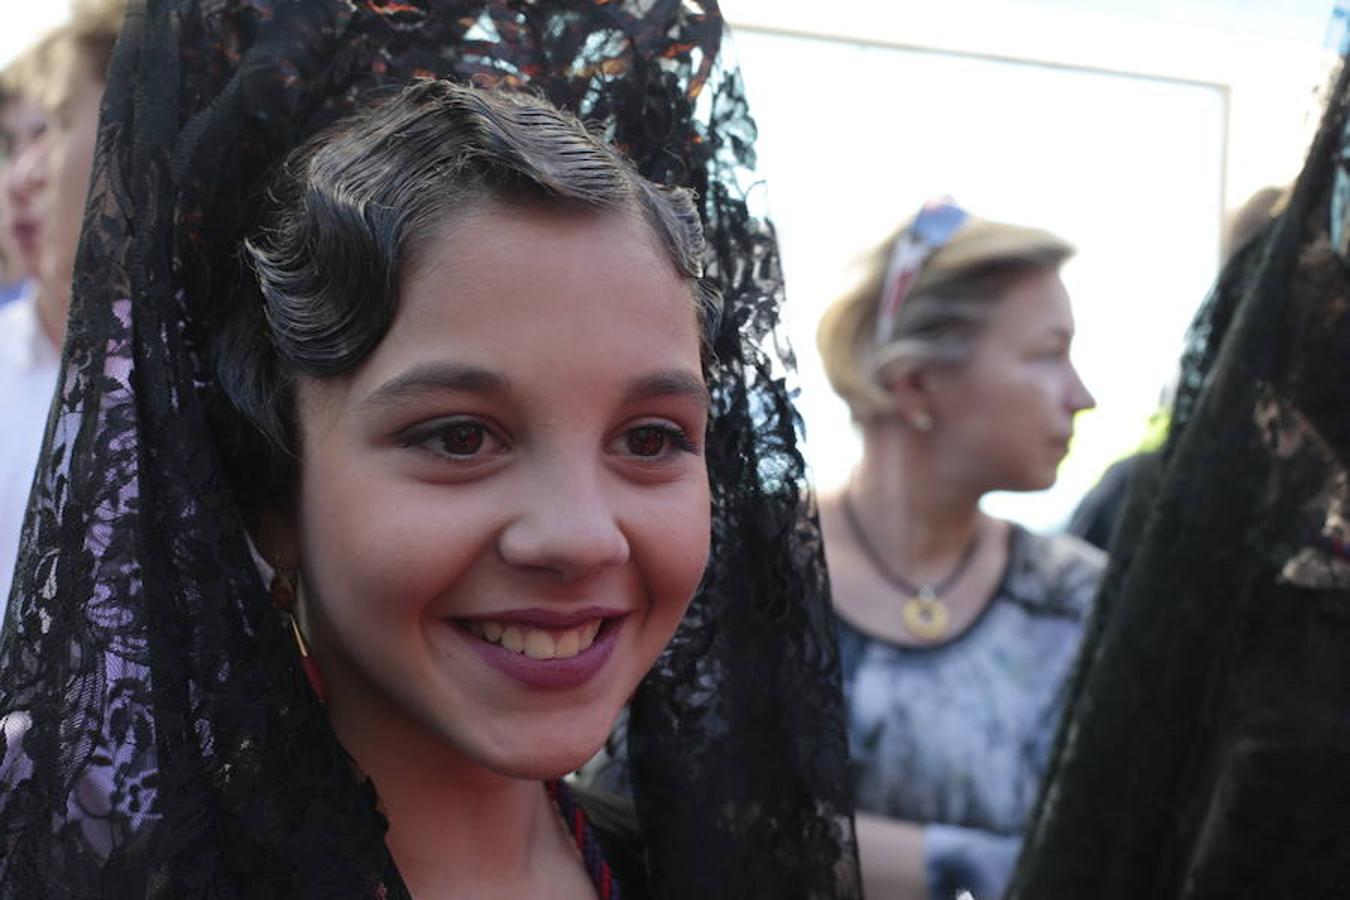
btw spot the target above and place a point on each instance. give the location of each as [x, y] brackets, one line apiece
[49, 119]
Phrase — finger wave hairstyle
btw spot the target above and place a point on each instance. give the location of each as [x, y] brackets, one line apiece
[946, 309]
[348, 212]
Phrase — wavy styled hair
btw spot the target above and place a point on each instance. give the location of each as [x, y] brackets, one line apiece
[346, 215]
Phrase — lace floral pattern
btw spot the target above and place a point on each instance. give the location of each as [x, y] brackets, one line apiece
[1204, 754]
[156, 735]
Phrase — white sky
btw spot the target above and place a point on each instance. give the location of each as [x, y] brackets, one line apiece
[25, 22]
[1130, 127]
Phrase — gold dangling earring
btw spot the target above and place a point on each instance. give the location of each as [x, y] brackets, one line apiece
[285, 589]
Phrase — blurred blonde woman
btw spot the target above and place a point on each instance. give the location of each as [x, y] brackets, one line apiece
[957, 630]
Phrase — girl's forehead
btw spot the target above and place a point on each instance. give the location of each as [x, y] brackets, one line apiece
[540, 260]
[494, 230]
[530, 291]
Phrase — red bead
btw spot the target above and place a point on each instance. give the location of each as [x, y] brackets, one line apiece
[314, 676]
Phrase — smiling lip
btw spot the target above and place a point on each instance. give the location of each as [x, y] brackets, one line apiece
[548, 618]
[546, 673]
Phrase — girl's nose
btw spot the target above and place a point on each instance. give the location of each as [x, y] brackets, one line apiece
[568, 528]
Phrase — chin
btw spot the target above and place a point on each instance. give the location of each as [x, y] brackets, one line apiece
[544, 761]
[1044, 484]
[542, 745]
[1029, 482]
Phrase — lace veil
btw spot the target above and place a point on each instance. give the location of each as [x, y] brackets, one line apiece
[156, 735]
[1205, 752]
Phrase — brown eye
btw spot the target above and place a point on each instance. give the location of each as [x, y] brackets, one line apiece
[457, 440]
[647, 440]
[462, 438]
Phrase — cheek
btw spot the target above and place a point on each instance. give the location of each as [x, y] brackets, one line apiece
[379, 544]
[671, 546]
[1052, 391]
[1023, 388]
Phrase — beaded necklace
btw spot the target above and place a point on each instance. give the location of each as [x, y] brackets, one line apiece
[592, 856]
[606, 888]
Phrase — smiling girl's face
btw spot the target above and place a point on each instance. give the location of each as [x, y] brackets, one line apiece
[504, 510]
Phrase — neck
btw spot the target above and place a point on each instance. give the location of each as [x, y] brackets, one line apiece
[456, 829]
[911, 507]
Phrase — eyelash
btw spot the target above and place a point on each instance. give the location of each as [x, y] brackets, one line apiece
[426, 435]
[677, 440]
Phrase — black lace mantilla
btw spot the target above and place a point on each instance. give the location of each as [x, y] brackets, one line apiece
[156, 735]
[1205, 754]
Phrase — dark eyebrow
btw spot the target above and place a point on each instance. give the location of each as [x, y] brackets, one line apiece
[432, 378]
[675, 383]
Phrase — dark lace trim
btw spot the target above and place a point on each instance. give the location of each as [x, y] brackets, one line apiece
[1204, 752]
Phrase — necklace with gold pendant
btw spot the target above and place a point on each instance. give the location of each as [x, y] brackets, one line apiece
[923, 613]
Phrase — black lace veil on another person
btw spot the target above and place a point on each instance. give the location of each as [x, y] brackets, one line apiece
[1205, 752]
[157, 736]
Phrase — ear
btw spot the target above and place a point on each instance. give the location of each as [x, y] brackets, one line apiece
[277, 537]
[910, 385]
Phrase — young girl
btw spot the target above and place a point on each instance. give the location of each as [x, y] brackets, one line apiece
[467, 389]
[487, 404]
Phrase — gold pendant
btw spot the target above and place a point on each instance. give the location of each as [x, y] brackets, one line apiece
[925, 616]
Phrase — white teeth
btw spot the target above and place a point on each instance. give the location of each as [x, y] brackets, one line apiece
[538, 643]
[568, 644]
